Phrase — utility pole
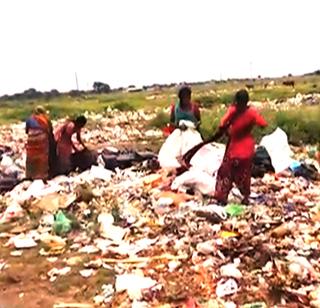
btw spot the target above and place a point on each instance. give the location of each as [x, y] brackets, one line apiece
[77, 81]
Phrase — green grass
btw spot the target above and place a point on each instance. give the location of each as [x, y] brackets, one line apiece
[160, 120]
[301, 124]
[15, 111]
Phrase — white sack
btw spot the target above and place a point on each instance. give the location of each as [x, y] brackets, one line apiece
[278, 149]
[197, 179]
[177, 144]
[209, 158]
[204, 167]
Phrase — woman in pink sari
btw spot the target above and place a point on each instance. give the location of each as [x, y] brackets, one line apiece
[65, 145]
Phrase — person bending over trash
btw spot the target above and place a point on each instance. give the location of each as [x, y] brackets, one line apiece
[40, 145]
[237, 162]
[184, 109]
[65, 145]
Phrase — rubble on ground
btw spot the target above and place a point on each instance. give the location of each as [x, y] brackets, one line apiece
[166, 248]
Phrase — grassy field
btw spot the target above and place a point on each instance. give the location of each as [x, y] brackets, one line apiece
[302, 123]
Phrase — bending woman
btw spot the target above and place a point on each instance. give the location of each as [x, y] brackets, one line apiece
[237, 163]
[65, 145]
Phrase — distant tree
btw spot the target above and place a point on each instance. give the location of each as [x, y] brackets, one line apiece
[54, 92]
[31, 94]
[100, 87]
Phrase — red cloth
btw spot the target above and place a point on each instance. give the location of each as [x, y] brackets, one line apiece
[241, 142]
[168, 130]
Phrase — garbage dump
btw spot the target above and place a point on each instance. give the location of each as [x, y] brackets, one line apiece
[136, 235]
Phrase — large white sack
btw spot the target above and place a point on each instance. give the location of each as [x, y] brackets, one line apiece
[278, 149]
[177, 144]
[203, 171]
[196, 179]
[209, 158]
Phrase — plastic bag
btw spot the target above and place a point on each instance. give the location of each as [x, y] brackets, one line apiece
[197, 179]
[278, 149]
[13, 211]
[235, 209]
[62, 224]
[177, 144]
[209, 158]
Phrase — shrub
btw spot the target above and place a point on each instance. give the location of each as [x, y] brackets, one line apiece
[123, 106]
[301, 126]
[206, 101]
[226, 99]
[210, 121]
[160, 120]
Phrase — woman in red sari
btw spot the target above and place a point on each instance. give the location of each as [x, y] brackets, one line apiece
[40, 145]
[65, 145]
[237, 162]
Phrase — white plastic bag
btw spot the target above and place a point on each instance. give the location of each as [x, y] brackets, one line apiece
[6, 162]
[133, 284]
[204, 167]
[177, 144]
[209, 158]
[197, 179]
[278, 149]
[14, 210]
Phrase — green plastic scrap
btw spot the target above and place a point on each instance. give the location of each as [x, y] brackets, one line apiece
[255, 305]
[62, 224]
[234, 209]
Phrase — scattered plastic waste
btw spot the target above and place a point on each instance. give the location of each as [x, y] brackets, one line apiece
[134, 284]
[225, 288]
[154, 239]
[234, 209]
[13, 211]
[55, 272]
[24, 242]
[62, 224]
[230, 270]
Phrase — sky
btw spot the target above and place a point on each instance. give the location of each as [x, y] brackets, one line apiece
[140, 42]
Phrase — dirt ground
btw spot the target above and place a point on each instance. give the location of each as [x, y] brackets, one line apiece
[25, 283]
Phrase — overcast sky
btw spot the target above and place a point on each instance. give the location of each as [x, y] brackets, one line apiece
[122, 42]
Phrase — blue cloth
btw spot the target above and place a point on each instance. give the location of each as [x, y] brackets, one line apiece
[32, 123]
[184, 115]
[295, 165]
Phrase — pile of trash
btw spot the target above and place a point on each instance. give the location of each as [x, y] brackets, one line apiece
[114, 128]
[287, 103]
[302, 99]
[164, 241]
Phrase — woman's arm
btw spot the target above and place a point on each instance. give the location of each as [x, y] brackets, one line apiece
[259, 120]
[79, 139]
[227, 116]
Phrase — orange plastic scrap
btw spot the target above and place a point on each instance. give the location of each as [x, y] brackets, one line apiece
[191, 303]
[152, 180]
[177, 198]
[316, 217]
[228, 234]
